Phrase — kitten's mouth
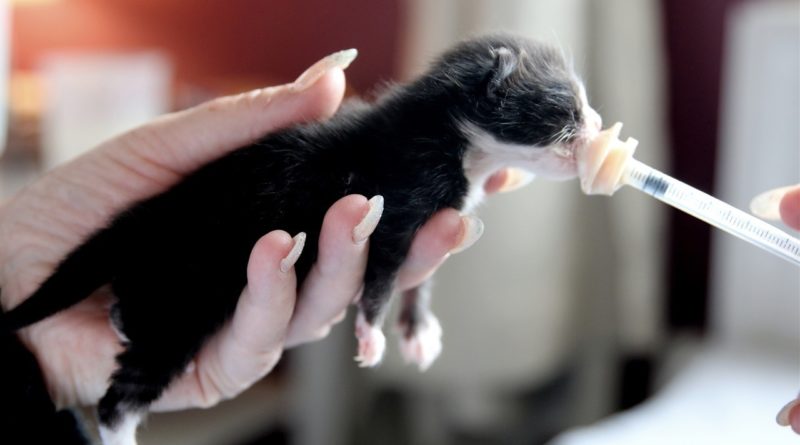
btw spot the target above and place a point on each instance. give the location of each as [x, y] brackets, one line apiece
[583, 139]
[569, 152]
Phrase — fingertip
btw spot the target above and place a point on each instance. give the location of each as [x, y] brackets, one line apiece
[336, 236]
[790, 208]
[277, 107]
[269, 297]
[266, 255]
[347, 211]
[431, 246]
[794, 419]
[327, 93]
[496, 181]
[442, 233]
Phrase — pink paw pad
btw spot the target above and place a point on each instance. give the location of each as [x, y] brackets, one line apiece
[424, 345]
[371, 343]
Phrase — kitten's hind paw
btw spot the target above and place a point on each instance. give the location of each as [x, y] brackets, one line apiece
[424, 344]
[371, 343]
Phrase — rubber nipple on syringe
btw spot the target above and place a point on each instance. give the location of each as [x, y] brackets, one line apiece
[601, 164]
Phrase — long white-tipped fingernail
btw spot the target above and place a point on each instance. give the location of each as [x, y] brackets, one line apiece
[767, 205]
[339, 59]
[516, 179]
[783, 415]
[364, 229]
[291, 258]
[472, 229]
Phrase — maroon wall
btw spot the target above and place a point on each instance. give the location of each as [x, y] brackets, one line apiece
[694, 33]
[209, 40]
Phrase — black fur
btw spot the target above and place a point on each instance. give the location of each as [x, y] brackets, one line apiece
[176, 262]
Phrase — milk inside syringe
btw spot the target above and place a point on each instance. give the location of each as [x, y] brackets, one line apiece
[608, 163]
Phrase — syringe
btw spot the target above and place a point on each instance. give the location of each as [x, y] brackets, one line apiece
[711, 210]
[608, 164]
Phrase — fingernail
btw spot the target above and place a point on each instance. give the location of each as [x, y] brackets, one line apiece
[783, 415]
[291, 258]
[339, 59]
[471, 231]
[515, 179]
[767, 205]
[364, 229]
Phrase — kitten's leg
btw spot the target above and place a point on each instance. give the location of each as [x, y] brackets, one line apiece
[162, 342]
[124, 431]
[145, 370]
[371, 311]
[420, 331]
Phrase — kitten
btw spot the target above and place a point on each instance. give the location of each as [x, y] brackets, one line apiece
[177, 261]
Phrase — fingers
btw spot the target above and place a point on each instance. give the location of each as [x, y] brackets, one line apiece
[180, 142]
[445, 233]
[790, 208]
[789, 415]
[338, 274]
[250, 345]
[266, 318]
[782, 203]
[507, 180]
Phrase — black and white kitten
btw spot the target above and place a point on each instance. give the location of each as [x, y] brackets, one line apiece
[488, 103]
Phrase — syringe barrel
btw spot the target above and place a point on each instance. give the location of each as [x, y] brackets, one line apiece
[711, 210]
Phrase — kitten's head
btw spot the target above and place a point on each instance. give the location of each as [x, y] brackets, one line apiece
[521, 103]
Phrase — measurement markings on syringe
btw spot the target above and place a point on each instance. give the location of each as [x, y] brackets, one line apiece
[712, 210]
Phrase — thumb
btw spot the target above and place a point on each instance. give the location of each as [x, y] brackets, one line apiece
[185, 140]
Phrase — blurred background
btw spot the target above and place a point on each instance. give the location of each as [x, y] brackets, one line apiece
[575, 319]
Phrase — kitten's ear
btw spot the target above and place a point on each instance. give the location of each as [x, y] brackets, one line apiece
[505, 62]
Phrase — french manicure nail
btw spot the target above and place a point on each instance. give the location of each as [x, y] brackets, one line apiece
[339, 59]
[767, 205]
[472, 229]
[291, 258]
[783, 415]
[364, 229]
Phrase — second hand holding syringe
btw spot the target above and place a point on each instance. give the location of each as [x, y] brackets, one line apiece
[607, 164]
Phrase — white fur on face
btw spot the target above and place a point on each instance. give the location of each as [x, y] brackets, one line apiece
[592, 122]
[486, 155]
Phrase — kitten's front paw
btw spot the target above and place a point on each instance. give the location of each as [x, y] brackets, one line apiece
[371, 343]
[424, 344]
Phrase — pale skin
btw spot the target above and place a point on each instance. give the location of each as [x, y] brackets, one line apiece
[76, 348]
[790, 214]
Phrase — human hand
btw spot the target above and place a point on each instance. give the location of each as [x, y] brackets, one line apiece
[784, 203]
[790, 207]
[76, 347]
